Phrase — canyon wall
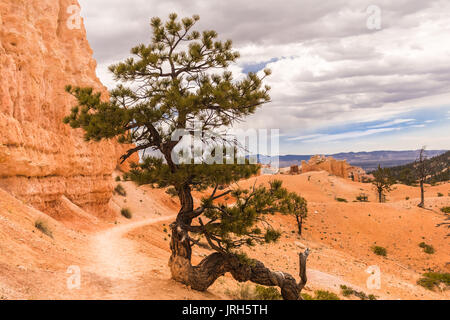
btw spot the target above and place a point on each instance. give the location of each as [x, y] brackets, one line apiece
[42, 49]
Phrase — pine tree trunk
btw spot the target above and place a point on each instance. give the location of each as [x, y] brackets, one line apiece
[422, 195]
[202, 276]
[299, 224]
[380, 197]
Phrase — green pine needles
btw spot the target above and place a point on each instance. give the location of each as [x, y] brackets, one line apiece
[178, 80]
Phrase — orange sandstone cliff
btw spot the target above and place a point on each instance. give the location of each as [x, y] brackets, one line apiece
[338, 168]
[43, 161]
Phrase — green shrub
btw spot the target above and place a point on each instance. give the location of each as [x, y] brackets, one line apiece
[325, 295]
[306, 296]
[172, 192]
[445, 209]
[118, 179]
[248, 292]
[427, 248]
[440, 195]
[42, 226]
[362, 198]
[380, 251]
[126, 213]
[120, 190]
[267, 293]
[341, 200]
[431, 280]
[347, 292]
[407, 198]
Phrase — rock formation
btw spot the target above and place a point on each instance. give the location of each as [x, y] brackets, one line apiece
[42, 160]
[338, 168]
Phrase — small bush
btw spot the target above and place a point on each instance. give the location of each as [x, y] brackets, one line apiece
[306, 296]
[341, 200]
[440, 195]
[362, 198]
[120, 190]
[431, 280]
[427, 248]
[42, 226]
[445, 209]
[347, 292]
[248, 292]
[380, 251]
[243, 292]
[118, 179]
[325, 295]
[407, 198]
[267, 293]
[172, 192]
[126, 213]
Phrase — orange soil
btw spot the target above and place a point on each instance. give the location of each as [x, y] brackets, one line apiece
[127, 259]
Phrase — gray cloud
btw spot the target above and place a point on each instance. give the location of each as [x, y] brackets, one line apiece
[328, 67]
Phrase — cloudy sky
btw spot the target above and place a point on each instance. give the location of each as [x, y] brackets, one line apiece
[349, 75]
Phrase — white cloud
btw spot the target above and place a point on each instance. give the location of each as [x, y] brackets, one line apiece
[330, 69]
[393, 122]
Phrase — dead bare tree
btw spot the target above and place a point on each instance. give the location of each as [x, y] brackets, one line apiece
[422, 169]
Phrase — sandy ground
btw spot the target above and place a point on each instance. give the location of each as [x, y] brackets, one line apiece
[127, 259]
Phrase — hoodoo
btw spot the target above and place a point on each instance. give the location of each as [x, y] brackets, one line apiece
[41, 159]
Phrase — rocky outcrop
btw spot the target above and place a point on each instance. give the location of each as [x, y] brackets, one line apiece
[335, 167]
[42, 49]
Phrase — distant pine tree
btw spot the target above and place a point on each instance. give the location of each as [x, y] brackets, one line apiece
[382, 182]
[172, 85]
[439, 171]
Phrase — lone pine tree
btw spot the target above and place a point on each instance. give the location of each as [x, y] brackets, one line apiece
[172, 84]
[382, 182]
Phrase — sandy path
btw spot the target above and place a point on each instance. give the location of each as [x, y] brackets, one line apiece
[118, 259]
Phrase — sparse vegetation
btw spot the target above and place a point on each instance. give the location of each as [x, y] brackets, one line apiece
[325, 295]
[125, 212]
[427, 248]
[440, 195]
[249, 292]
[445, 209]
[267, 293]
[431, 280]
[347, 292]
[382, 182]
[307, 296]
[341, 200]
[120, 190]
[362, 198]
[172, 192]
[42, 226]
[380, 251]
[118, 179]
[321, 295]
[438, 170]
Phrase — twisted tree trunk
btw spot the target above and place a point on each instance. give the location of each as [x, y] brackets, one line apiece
[202, 276]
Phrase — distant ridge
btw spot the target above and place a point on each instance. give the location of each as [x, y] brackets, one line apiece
[438, 170]
[367, 160]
